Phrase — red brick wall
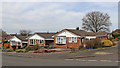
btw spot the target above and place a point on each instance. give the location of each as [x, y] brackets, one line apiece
[6, 45]
[74, 45]
[11, 47]
[70, 45]
[0, 45]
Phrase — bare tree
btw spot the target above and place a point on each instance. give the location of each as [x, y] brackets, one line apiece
[25, 32]
[96, 21]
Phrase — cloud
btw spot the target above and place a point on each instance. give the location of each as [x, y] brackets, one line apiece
[61, 1]
[48, 16]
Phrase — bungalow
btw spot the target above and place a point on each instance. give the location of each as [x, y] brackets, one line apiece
[102, 35]
[71, 38]
[40, 39]
[3, 40]
[17, 41]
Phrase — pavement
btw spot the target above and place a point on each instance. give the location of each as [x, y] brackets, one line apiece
[87, 58]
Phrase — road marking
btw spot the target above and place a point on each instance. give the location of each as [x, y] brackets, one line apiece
[92, 60]
[106, 60]
[80, 60]
[117, 61]
[68, 59]
[83, 60]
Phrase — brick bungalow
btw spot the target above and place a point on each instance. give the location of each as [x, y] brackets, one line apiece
[40, 39]
[71, 38]
[17, 41]
[3, 40]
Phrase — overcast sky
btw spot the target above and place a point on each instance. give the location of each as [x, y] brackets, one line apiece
[42, 16]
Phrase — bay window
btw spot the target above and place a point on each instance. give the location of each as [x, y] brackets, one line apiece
[18, 43]
[40, 41]
[12, 42]
[32, 42]
[60, 40]
[73, 39]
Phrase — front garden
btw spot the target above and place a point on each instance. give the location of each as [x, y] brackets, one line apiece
[33, 49]
[94, 44]
[89, 45]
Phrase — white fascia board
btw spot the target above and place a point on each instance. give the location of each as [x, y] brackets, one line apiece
[90, 37]
[24, 42]
[36, 36]
[49, 39]
[14, 38]
[67, 34]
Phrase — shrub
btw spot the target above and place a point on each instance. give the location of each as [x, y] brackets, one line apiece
[106, 43]
[94, 43]
[53, 50]
[113, 43]
[46, 46]
[7, 50]
[111, 38]
[24, 46]
[51, 47]
[32, 48]
[42, 51]
[21, 50]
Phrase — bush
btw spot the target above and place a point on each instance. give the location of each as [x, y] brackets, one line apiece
[107, 43]
[32, 48]
[94, 43]
[46, 46]
[43, 51]
[21, 50]
[113, 43]
[51, 47]
[7, 50]
[24, 46]
[111, 38]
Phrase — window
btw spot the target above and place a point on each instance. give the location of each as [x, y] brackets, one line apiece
[40, 41]
[12, 42]
[73, 39]
[18, 43]
[60, 40]
[32, 42]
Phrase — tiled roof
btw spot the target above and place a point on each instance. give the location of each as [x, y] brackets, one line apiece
[46, 35]
[117, 30]
[84, 33]
[23, 38]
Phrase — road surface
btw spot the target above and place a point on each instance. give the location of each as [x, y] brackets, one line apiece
[65, 60]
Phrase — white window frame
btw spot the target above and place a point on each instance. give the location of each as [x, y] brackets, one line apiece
[32, 40]
[40, 41]
[11, 43]
[73, 39]
[60, 40]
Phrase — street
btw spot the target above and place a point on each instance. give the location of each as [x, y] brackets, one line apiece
[66, 59]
